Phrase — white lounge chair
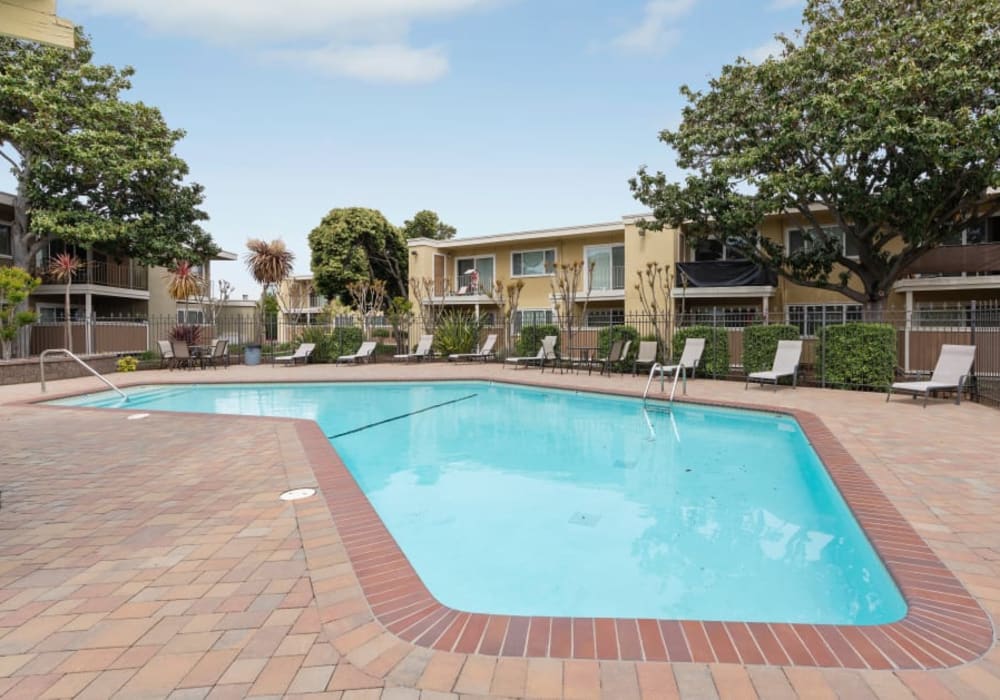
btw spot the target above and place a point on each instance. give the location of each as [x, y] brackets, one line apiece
[423, 349]
[166, 354]
[646, 356]
[690, 359]
[786, 364]
[363, 354]
[953, 367]
[301, 353]
[484, 352]
[546, 352]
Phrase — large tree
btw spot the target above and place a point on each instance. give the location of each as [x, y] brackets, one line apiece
[886, 114]
[91, 168]
[427, 224]
[357, 245]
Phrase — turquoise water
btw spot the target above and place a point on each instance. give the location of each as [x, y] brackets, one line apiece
[519, 501]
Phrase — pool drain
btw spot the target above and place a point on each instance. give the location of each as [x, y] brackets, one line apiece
[297, 494]
[588, 519]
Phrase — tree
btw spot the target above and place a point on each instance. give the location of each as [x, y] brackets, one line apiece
[507, 297]
[886, 114]
[369, 298]
[565, 284]
[655, 288]
[92, 169]
[269, 263]
[15, 286]
[356, 245]
[63, 267]
[426, 224]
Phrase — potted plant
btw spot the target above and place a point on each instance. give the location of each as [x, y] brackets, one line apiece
[269, 263]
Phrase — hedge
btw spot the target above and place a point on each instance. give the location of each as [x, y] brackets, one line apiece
[760, 344]
[331, 344]
[715, 359]
[530, 339]
[857, 354]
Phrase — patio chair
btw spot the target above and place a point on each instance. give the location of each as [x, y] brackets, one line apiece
[423, 350]
[546, 352]
[166, 353]
[301, 353]
[694, 348]
[786, 364]
[365, 353]
[484, 352]
[612, 360]
[182, 355]
[953, 367]
[646, 355]
[219, 354]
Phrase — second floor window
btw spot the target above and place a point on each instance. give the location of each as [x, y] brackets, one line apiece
[5, 243]
[532, 262]
[983, 231]
[190, 316]
[607, 267]
[799, 239]
[711, 249]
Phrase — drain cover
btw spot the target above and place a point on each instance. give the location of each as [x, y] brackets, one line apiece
[588, 519]
[297, 494]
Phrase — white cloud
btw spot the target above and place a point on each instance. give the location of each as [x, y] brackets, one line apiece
[383, 63]
[363, 39]
[769, 49]
[655, 32]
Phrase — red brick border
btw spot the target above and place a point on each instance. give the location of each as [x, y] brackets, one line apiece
[944, 625]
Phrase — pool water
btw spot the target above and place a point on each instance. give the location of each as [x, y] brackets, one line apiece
[521, 501]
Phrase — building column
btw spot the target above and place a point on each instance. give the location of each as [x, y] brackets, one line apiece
[88, 323]
[906, 332]
[764, 305]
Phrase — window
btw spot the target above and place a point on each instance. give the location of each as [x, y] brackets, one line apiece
[597, 318]
[474, 275]
[958, 314]
[52, 313]
[711, 249]
[532, 317]
[190, 316]
[5, 242]
[527, 263]
[804, 240]
[810, 318]
[608, 271]
[983, 231]
[724, 316]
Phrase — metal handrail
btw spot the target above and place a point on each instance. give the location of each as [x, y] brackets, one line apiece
[64, 351]
[657, 367]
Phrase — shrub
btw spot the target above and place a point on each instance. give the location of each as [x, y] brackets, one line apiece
[530, 339]
[330, 343]
[606, 336]
[127, 364]
[456, 332]
[761, 342]
[857, 354]
[187, 334]
[715, 359]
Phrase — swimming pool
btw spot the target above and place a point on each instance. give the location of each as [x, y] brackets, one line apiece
[521, 501]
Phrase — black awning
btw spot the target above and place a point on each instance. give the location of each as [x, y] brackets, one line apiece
[725, 273]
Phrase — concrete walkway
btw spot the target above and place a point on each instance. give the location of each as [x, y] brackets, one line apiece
[153, 558]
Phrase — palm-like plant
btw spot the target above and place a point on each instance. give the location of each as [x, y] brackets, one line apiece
[62, 268]
[184, 282]
[270, 264]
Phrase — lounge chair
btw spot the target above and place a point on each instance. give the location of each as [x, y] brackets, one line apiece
[364, 354]
[182, 355]
[301, 353]
[485, 351]
[953, 367]
[546, 352]
[423, 349]
[166, 354]
[219, 354]
[786, 364]
[622, 358]
[694, 348]
[646, 356]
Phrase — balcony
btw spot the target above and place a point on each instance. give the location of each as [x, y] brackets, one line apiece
[954, 267]
[103, 274]
[724, 278]
[472, 289]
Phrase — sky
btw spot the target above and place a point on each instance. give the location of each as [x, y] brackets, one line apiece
[500, 115]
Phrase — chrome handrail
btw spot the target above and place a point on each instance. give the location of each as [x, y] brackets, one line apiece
[64, 351]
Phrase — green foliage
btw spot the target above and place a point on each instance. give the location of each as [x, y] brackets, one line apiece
[715, 359]
[456, 331]
[190, 334]
[356, 245]
[857, 354]
[426, 224]
[15, 286]
[345, 340]
[531, 337]
[92, 169]
[606, 336]
[761, 342]
[886, 113]
[127, 364]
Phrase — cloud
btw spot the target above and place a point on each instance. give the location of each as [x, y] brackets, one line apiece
[655, 32]
[383, 63]
[361, 39]
[769, 49]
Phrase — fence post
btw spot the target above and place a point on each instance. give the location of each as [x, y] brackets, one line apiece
[822, 351]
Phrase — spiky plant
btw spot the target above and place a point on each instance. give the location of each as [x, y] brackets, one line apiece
[184, 282]
[270, 264]
[62, 268]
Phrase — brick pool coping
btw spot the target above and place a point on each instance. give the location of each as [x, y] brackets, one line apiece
[944, 625]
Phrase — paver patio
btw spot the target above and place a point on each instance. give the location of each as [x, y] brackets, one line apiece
[153, 558]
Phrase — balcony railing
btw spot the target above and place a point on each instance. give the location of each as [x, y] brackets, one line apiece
[724, 273]
[471, 285]
[982, 258]
[607, 279]
[120, 275]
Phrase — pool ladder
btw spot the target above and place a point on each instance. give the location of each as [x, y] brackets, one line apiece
[657, 367]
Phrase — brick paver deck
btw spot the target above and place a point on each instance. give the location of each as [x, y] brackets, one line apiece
[152, 558]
